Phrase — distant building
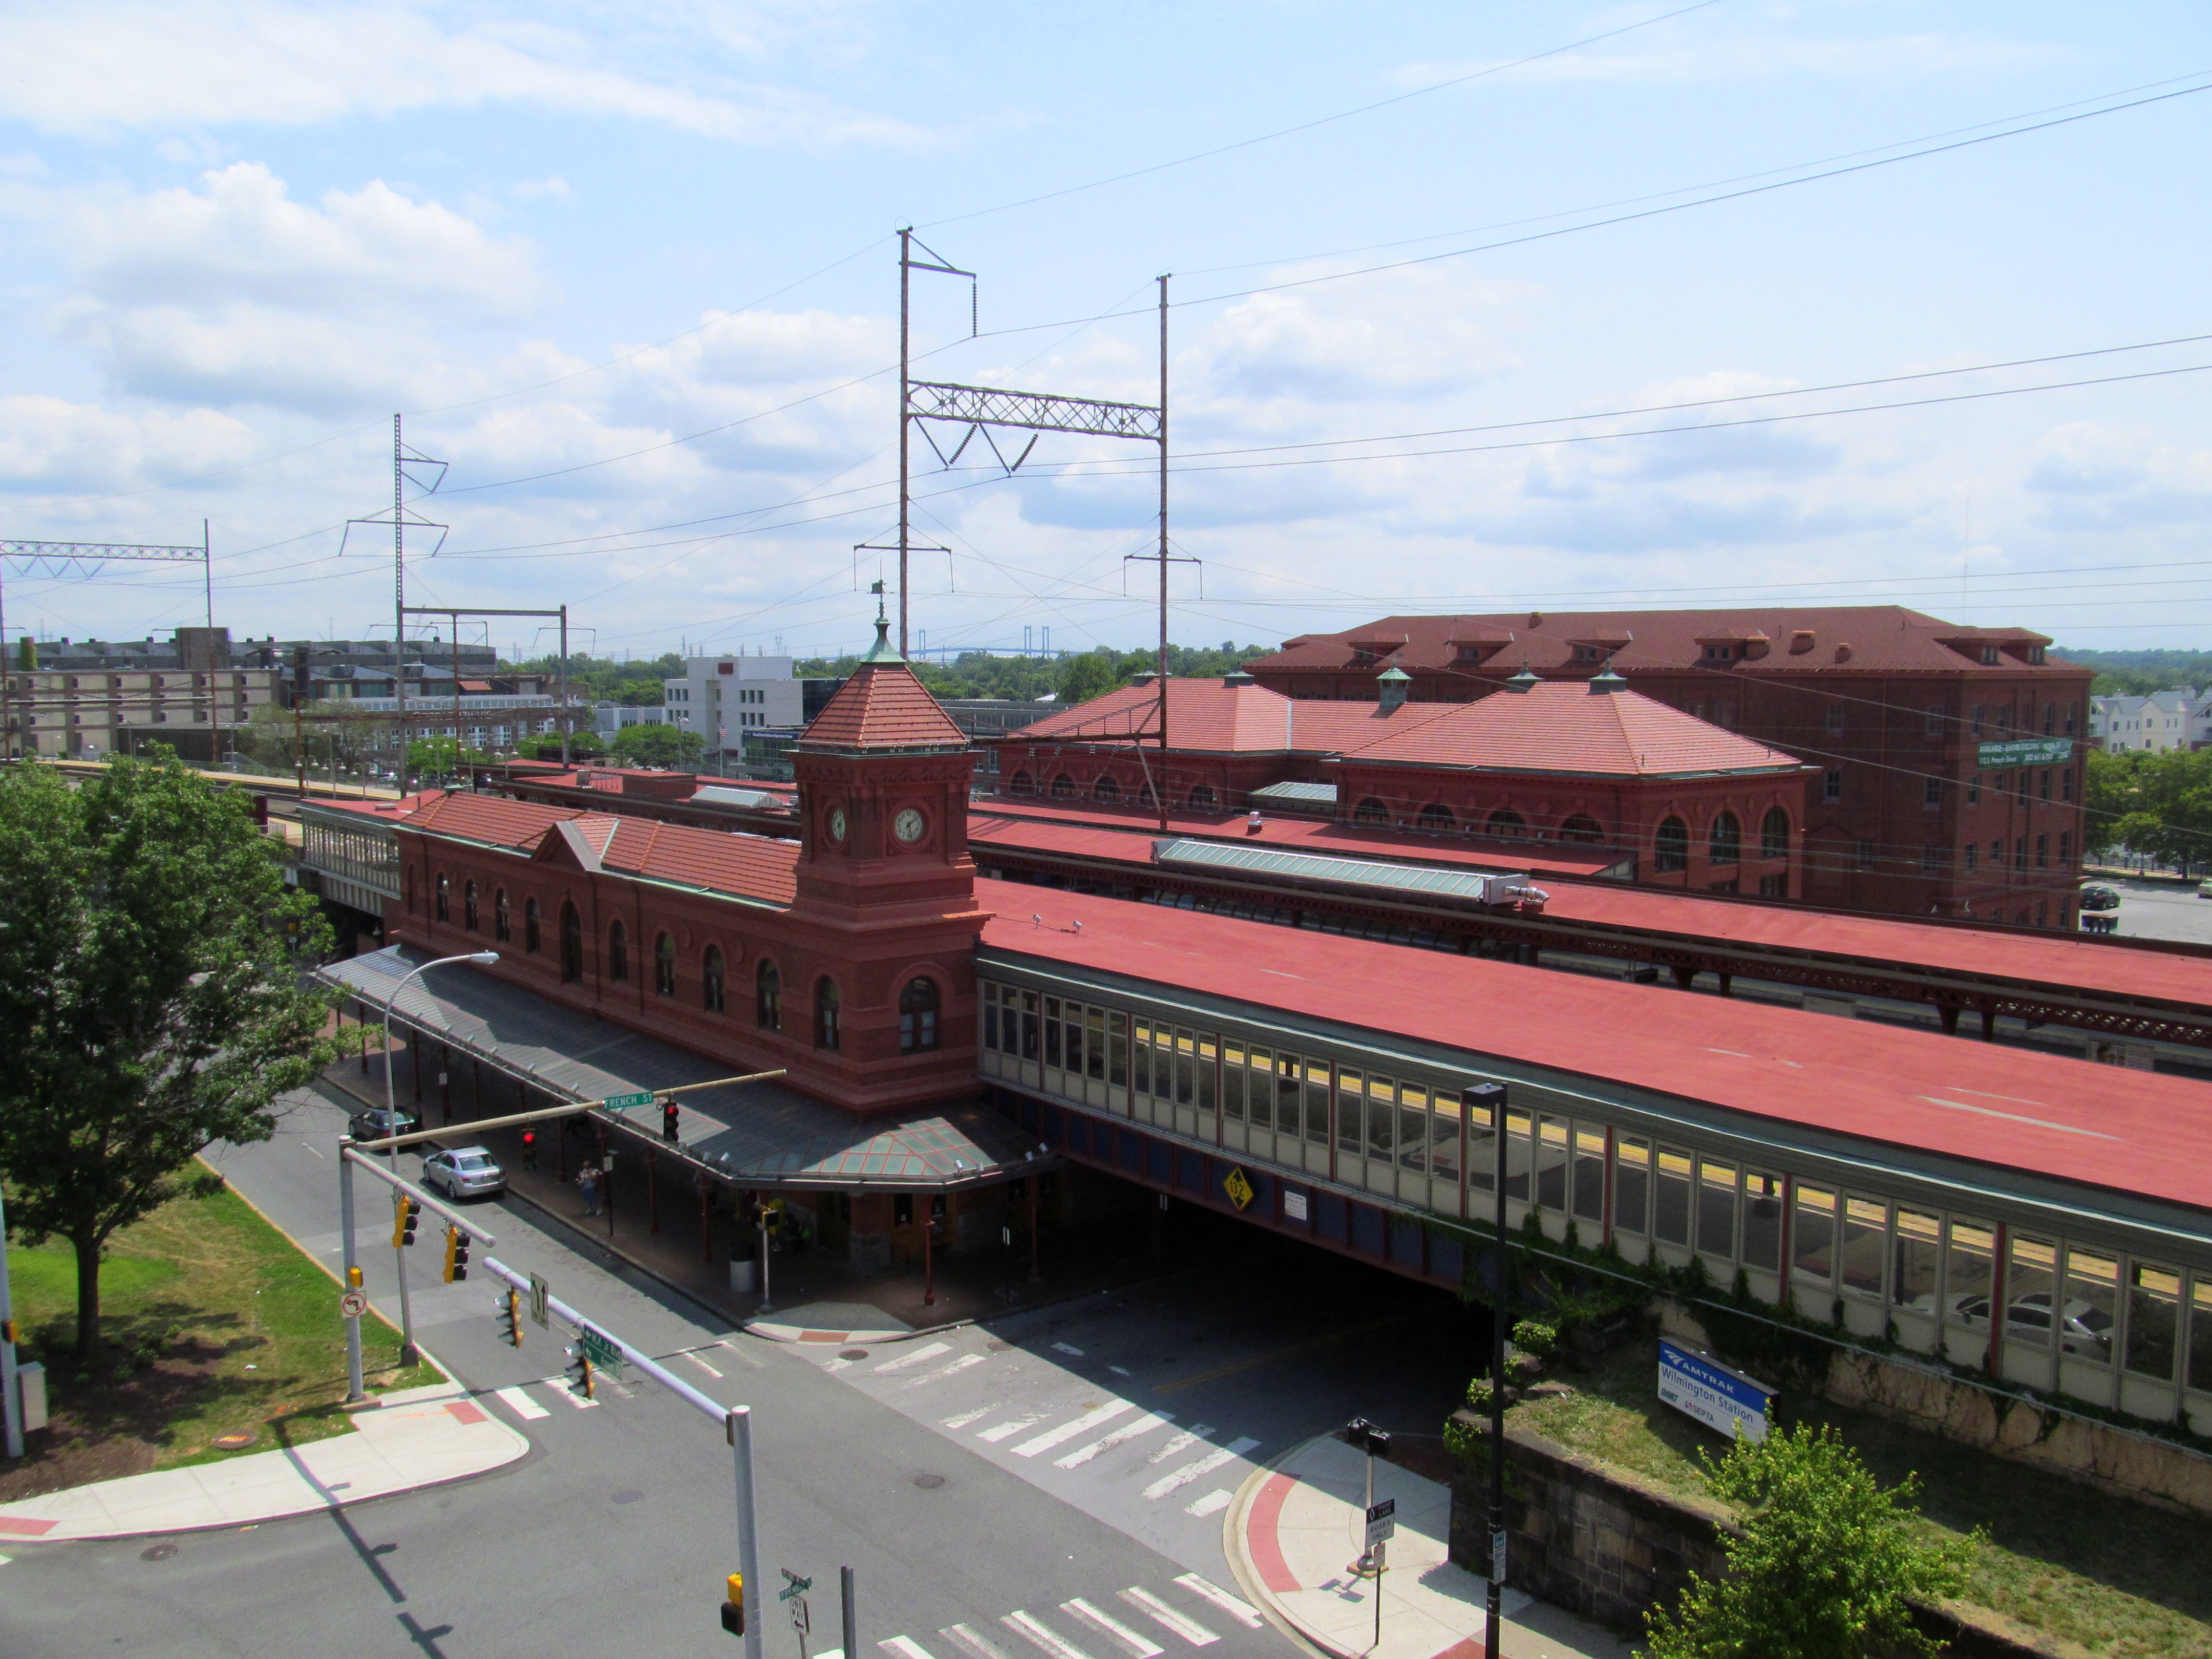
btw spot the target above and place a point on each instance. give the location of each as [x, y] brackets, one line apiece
[724, 699]
[609, 718]
[91, 701]
[2175, 719]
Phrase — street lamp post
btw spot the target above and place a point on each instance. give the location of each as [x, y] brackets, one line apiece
[408, 1356]
[1491, 1096]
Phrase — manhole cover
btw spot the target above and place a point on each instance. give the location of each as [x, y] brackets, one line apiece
[159, 1552]
[628, 1497]
[929, 1482]
[997, 1346]
[853, 1354]
[231, 1442]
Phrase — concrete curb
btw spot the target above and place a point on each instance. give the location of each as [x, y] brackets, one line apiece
[768, 1331]
[1236, 1547]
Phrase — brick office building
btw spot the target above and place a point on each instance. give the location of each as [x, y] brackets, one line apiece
[1949, 756]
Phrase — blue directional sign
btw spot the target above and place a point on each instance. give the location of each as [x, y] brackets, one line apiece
[1716, 1395]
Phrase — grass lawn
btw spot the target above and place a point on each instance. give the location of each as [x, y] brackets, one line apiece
[215, 1324]
[2117, 1576]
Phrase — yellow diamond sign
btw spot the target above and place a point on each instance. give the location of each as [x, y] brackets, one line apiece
[1238, 1189]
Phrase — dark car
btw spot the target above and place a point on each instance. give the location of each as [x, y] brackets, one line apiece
[375, 1123]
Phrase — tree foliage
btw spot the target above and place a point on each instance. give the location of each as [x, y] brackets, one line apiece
[582, 745]
[668, 746]
[2139, 673]
[1828, 1565]
[2160, 804]
[985, 674]
[150, 1001]
[602, 679]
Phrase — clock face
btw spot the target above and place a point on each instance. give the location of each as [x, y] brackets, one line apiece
[908, 824]
[836, 824]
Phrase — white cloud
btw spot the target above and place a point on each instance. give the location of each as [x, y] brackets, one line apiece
[555, 188]
[2089, 476]
[47, 444]
[136, 63]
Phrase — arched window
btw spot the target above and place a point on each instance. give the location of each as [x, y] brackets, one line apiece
[768, 997]
[1201, 800]
[1370, 811]
[663, 965]
[1021, 784]
[572, 943]
[502, 919]
[1726, 843]
[1436, 816]
[469, 907]
[1145, 797]
[918, 1016]
[1106, 790]
[444, 897]
[711, 991]
[619, 953]
[1583, 828]
[1506, 821]
[531, 942]
[828, 1034]
[1670, 846]
[1063, 787]
[1774, 833]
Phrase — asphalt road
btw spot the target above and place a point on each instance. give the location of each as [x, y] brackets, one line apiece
[615, 1533]
[2161, 909]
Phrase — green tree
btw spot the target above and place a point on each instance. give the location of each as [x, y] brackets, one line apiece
[150, 1001]
[582, 745]
[1090, 675]
[670, 746]
[1828, 1565]
[442, 756]
[26, 652]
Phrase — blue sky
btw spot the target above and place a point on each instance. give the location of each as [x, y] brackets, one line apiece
[564, 240]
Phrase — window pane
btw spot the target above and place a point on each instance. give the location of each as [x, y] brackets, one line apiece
[1118, 1048]
[2031, 1278]
[1813, 1249]
[1351, 1109]
[1094, 1047]
[1259, 1100]
[991, 1017]
[1439, 1114]
[1029, 1025]
[1287, 1114]
[1552, 1163]
[1762, 1220]
[1051, 1030]
[1143, 1055]
[1481, 1148]
[1590, 1174]
[2200, 1332]
[1716, 1208]
[1520, 1157]
[2091, 1312]
[1671, 1220]
[1631, 1184]
[1382, 1119]
[1967, 1271]
[1232, 1079]
[1317, 1103]
[1186, 1067]
[1866, 1233]
[2153, 1316]
[1918, 1261]
[1209, 1063]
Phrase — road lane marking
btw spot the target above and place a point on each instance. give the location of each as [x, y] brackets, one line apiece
[1010, 1427]
[737, 1353]
[1112, 1629]
[1161, 1613]
[1212, 1503]
[559, 1385]
[1180, 1443]
[973, 1642]
[1120, 1437]
[904, 1648]
[1190, 1471]
[520, 1403]
[1242, 1612]
[1096, 1417]
[965, 1418]
[957, 1365]
[915, 1358]
[1043, 1635]
[1063, 1347]
[711, 1371]
[311, 1149]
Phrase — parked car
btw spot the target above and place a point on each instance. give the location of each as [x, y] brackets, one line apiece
[465, 1172]
[2204, 888]
[2100, 899]
[375, 1123]
[2084, 1330]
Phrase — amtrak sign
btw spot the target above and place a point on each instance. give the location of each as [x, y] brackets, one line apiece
[1715, 1394]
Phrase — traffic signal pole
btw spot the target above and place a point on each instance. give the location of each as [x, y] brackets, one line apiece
[355, 1393]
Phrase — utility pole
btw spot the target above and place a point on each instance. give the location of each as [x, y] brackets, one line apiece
[908, 265]
[399, 598]
[1162, 792]
[1491, 1096]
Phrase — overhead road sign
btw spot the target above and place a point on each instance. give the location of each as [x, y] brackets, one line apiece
[603, 1351]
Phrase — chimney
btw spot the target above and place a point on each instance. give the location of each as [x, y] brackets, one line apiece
[1390, 685]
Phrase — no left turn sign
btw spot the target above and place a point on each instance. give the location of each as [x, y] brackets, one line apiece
[353, 1304]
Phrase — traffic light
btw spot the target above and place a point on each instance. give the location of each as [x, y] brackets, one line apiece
[733, 1609]
[510, 1318]
[668, 1122]
[579, 1380]
[403, 1212]
[530, 1149]
[1364, 1435]
[456, 1254]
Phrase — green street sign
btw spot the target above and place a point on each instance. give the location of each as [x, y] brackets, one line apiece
[601, 1352]
[2024, 751]
[624, 1103]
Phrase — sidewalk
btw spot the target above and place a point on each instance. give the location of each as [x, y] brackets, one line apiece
[1295, 1531]
[417, 1438]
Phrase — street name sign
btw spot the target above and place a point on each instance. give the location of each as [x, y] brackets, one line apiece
[624, 1103]
[1382, 1521]
[1716, 1395]
[2024, 751]
[793, 1585]
[601, 1352]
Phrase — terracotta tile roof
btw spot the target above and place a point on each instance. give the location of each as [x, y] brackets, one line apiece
[1208, 717]
[1561, 727]
[1880, 638]
[882, 706]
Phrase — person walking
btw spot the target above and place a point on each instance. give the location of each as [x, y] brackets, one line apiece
[588, 1178]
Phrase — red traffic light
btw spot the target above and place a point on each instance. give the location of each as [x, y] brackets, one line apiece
[530, 1137]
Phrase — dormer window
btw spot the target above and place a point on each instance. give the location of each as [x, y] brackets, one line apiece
[1589, 654]
[2035, 654]
[1721, 651]
[1989, 656]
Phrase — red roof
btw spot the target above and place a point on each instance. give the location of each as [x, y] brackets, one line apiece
[2138, 1133]
[882, 706]
[1208, 717]
[1880, 638]
[1561, 726]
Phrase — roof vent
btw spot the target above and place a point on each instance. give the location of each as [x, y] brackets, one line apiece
[1605, 682]
[1523, 681]
[1240, 678]
[1802, 640]
[1390, 687]
[1843, 653]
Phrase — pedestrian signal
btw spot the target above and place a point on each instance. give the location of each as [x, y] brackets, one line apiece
[510, 1319]
[733, 1607]
[456, 1254]
[580, 1371]
[405, 1210]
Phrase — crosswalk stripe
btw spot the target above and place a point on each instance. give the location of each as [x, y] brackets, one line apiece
[711, 1371]
[904, 1648]
[1161, 1613]
[1212, 1503]
[1120, 1437]
[1113, 1629]
[1042, 1635]
[1090, 1419]
[973, 1643]
[1242, 1612]
[959, 1364]
[1183, 1441]
[1190, 1471]
[520, 1403]
[916, 1358]
[1010, 1427]
[965, 1418]
[559, 1387]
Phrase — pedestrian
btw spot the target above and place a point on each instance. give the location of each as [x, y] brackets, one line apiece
[588, 1178]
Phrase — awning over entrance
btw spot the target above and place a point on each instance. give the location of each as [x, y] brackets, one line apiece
[759, 1135]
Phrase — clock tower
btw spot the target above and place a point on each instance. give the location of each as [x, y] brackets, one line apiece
[888, 890]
